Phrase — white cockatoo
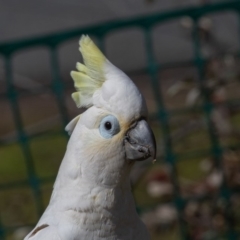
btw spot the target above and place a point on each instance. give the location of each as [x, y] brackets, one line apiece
[92, 196]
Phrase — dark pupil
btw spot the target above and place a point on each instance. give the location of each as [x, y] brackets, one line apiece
[108, 125]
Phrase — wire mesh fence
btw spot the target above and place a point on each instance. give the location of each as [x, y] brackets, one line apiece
[161, 115]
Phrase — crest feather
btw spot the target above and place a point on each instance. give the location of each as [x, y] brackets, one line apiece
[90, 75]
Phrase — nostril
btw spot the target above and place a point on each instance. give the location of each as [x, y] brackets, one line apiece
[140, 150]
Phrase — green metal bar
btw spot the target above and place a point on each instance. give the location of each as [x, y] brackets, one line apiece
[163, 118]
[208, 107]
[54, 39]
[58, 87]
[20, 184]
[2, 231]
[22, 136]
[101, 43]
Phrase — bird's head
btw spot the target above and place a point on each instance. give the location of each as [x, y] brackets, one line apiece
[113, 132]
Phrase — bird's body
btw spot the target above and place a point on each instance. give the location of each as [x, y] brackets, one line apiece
[97, 211]
[92, 196]
[105, 214]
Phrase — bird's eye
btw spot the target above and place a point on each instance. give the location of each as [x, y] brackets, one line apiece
[109, 126]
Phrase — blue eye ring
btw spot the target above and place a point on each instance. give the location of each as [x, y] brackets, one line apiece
[109, 127]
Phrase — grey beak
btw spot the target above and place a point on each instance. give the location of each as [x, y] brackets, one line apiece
[140, 143]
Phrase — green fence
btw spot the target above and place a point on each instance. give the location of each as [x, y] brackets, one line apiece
[146, 24]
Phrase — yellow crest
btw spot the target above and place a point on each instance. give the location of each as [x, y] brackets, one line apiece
[90, 75]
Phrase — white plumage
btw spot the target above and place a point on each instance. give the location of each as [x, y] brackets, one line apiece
[92, 196]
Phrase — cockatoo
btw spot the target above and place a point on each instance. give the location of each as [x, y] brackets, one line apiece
[92, 197]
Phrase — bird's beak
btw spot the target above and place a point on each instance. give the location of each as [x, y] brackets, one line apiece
[140, 143]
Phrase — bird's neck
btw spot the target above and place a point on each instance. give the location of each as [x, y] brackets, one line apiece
[81, 203]
[84, 198]
[76, 188]
[90, 211]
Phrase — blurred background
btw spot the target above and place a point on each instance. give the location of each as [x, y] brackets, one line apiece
[184, 57]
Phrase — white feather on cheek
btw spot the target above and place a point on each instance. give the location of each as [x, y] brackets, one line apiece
[103, 160]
